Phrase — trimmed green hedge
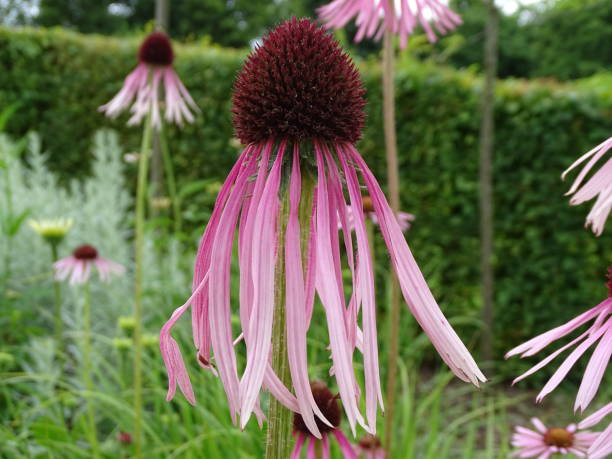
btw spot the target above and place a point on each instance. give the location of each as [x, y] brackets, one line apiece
[548, 267]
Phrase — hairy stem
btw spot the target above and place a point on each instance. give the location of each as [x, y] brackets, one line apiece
[280, 419]
[393, 184]
[139, 252]
[59, 324]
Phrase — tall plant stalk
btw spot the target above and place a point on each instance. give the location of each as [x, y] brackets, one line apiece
[59, 324]
[280, 419]
[141, 192]
[87, 378]
[393, 187]
[169, 172]
[487, 133]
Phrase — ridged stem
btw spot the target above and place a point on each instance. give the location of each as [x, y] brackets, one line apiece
[138, 261]
[280, 419]
[87, 378]
[393, 184]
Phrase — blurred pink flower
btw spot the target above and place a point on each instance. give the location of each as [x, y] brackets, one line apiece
[600, 331]
[293, 135]
[370, 447]
[373, 17]
[144, 83]
[404, 219]
[78, 266]
[602, 446]
[328, 404]
[598, 185]
[544, 442]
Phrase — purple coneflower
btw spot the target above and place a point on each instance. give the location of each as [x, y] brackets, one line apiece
[78, 266]
[143, 84]
[370, 447]
[373, 17]
[298, 105]
[599, 332]
[599, 185]
[328, 405]
[544, 442]
[404, 219]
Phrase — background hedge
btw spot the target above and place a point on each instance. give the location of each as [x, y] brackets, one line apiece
[548, 268]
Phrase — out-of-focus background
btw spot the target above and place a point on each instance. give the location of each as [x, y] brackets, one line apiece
[61, 59]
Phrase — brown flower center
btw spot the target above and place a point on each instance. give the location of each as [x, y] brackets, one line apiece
[85, 252]
[368, 206]
[327, 403]
[557, 436]
[369, 442]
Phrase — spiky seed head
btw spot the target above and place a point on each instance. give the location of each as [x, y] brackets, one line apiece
[327, 403]
[85, 252]
[156, 49]
[298, 85]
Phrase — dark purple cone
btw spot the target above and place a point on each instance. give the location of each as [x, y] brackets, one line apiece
[85, 252]
[327, 403]
[299, 85]
[156, 49]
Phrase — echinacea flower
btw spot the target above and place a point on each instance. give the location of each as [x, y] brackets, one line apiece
[404, 219]
[373, 17]
[153, 72]
[370, 447]
[78, 266]
[328, 404]
[298, 105]
[52, 230]
[544, 442]
[602, 446]
[598, 185]
[599, 332]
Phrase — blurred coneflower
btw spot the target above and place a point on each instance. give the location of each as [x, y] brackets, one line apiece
[328, 404]
[598, 185]
[370, 447]
[141, 88]
[599, 334]
[299, 107]
[404, 219]
[545, 442]
[401, 17]
[79, 265]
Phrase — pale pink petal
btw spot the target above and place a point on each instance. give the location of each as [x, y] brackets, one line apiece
[365, 284]
[595, 370]
[602, 447]
[345, 446]
[596, 417]
[299, 442]
[414, 288]
[326, 284]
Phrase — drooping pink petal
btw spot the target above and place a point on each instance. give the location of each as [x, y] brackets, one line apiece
[200, 310]
[596, 417]
[259, 336]
[602, 446]
[219, 297]
[414, 288]
[326, 285]
[595, 370]
[345, 446]
[325, 447]
[365, 284]
[567, 365]
[299, 442]
[296, 307]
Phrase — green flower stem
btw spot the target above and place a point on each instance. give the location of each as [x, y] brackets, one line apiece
[141, 192]
[393, 184]
[169, 169]
[280, 419]
[59, 324]
[87, 379]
